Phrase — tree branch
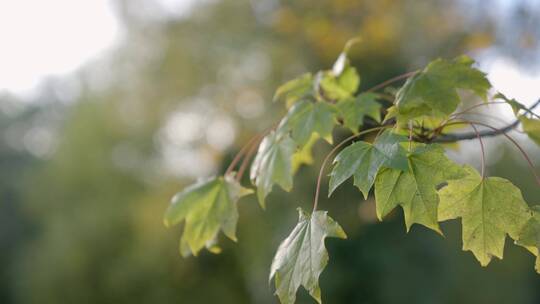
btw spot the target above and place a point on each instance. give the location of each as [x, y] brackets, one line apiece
[449, 138]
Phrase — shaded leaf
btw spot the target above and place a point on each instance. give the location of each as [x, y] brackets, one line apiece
[529, 236]
[363, 160]
[302, 256]
[353, 110]
[306, 118]
[489, 209]
[296, 89]
[415, 189]
[433, 92]
[272, 164]
[206, 207]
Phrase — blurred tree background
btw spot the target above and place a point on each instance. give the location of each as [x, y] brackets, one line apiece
[88, 167]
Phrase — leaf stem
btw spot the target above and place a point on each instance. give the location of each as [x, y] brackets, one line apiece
[410, 135]
[483, 150]
[248, 156]
[319, 179]
[525, 155]
[240, 153]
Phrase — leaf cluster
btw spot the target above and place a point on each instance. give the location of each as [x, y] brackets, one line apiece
[395, 166]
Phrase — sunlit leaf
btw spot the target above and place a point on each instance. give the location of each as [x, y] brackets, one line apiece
[415, 189]
[302, 256]
[433, 91]
[272, 164]
[363, 160]
[342, 86]
[295, 89]
[489, 209]
[206, 207]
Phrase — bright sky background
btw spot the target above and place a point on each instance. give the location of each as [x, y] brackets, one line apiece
[41, 38]
[52, 37]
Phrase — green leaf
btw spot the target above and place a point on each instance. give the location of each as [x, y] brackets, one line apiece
[338, 87]
[529, 236]
[302, 256]
[206, 207]
[272, 165]
[306, 118]
[363, 160]
[531, 127]
[489, 209]
[432, 92]
[295, 89]
[415, 189]
[353, 110]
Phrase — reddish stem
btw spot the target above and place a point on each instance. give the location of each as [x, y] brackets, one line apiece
[483, 150]
[317, 190]
[525, 155]
[248, 156]
[392, 80]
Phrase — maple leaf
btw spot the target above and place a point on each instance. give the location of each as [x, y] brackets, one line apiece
[489, 209]
[415, 189]
[354, 110]
[532, 128]
[295, 89]
[433, 91]
[529, 236]
[363, 160]
[302, 256]
[207, 207]
[339, 86]
[272, 164]
[306, 118]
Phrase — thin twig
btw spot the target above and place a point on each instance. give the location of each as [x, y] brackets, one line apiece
[525, 155]
[317, 190]
[248, 156]
[476, 106]
[392, 80]
[483, 151]
[239, 155]
[448, 138]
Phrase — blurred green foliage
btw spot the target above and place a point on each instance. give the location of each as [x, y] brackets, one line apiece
[83, 224]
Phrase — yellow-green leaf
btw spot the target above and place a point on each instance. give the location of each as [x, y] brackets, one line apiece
[338, 87]
[415, 189]
[489, 209]
[295, 89]
[207, 207]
